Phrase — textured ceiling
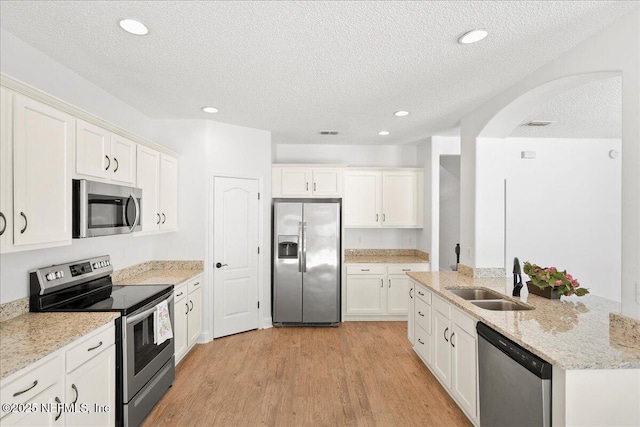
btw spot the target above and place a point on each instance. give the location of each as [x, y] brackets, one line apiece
[298, 67]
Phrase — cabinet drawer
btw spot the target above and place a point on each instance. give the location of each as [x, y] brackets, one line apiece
[423, 294]
[423, 315]
[195, 284]
[442, 306]
[365, 269]
[89, 347]
[404, 268]
[464, 321]
[180, 293]
[422, 344]
[33, 382]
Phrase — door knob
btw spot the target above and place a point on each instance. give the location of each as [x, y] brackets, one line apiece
[219, 265]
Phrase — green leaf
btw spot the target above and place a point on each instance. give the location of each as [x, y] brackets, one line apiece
[581, 291]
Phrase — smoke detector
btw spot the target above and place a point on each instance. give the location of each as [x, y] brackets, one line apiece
[329, 132]
[538, 123]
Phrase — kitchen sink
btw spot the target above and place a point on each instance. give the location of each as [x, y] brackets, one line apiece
[500, 305]
[476, 294]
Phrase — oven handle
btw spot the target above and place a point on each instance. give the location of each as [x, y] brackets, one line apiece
[137, 205]
[148, 311]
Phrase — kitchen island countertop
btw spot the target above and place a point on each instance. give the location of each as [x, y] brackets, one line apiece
[570, 333]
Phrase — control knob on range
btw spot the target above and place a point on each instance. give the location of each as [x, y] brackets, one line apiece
[95, 265]
[50, 276]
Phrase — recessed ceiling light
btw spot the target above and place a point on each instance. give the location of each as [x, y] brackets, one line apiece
[210, 109]
[383, 133]
[472, 36]
[134, 27]
[401, 113]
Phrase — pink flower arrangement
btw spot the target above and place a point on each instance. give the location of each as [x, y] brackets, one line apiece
[547, 277]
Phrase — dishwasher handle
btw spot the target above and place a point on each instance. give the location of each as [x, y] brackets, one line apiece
[534, 364]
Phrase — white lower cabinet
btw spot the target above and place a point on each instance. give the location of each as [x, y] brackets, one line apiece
[445, 339]
[412, 304]
[187, 316]
[74, 386]
[378, 291]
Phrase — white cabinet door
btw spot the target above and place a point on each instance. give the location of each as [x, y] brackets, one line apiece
[422, 344]
[296, 182]
[93, 386]
[362, 199]
[48, 411]
[180, 313]
[397, 291]
[123, 158]
[464, 372]
[93, 150]
[148, 179]
[6, 170]
[366, 295]
[168, 192]
[327, 182]
[441, 347]
[43, 153]
[400, 198]
[195, 315]
[411, 319]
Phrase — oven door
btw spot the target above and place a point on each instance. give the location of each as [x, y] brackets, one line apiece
[141, 358]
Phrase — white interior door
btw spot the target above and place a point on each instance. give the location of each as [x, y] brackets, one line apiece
[235, 248]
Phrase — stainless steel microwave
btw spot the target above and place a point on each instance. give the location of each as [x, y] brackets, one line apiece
[101, 209]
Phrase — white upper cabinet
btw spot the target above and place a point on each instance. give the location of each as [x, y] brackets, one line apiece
[306, 181]
[104, 155]
[6, 170]
[42, 156]
[157, 176]
[383, 198]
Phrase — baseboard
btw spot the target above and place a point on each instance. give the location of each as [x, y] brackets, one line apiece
[266, 323]
[374, 318]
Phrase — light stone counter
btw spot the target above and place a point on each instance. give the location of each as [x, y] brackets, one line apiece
[30, 337]
[385, 256]
[571, 333]
[158, 273]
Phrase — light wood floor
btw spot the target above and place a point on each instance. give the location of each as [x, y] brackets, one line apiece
[358, 374]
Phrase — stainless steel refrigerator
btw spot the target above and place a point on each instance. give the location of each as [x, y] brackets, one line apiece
[306, 262]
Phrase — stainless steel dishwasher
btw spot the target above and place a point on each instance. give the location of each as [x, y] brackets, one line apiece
[514, 384]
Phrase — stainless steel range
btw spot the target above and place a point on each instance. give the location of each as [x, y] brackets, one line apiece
[144, 370]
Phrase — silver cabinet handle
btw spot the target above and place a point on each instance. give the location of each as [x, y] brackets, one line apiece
[389, 283]
[196, 284]
[382, 283]
[406, 269]
[93, 348]
[187, 307]
[191, 308]
[180, 294]
[158, 222]
[117, 165]
[307, 187]
[314, 186]
[445, 334]
[164, 218]
[376, 217]
[4, 223]
[420, 341]
[384, 217]
[420, 293]
[60, 407]
[18, 393]
[26, 223]
[73, 386]
[421, 313]
[108, 164]
[410, 294]
[452, 344]
[364, 269]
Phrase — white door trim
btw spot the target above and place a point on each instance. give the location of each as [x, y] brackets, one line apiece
[209, 270]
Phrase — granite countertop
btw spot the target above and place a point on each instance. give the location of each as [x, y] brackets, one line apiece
[158, 273]
[571, 333]
[385, 256]
[30, 337]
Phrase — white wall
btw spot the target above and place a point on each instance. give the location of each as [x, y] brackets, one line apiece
[564, 208]
[359, 155]
[613, 51]
[352, 155]
[24, 63]
[449, 210]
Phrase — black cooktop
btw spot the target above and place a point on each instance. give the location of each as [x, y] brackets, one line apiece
[129, 298]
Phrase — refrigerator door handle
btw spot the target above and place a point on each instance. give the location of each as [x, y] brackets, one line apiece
[304, 247]
[300, 237]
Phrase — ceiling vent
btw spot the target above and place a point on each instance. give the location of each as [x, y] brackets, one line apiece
[328, 132]
[538, 123]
